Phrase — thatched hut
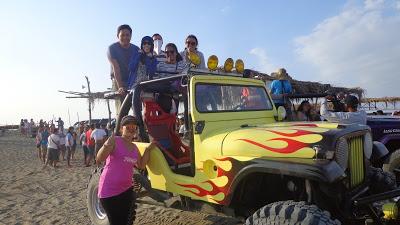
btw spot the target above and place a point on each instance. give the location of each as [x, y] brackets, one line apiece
[307, 87]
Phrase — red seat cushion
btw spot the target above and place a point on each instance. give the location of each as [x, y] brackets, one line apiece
[161, 126]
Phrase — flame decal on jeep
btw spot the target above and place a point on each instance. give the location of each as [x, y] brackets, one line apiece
[292, 145]
[211, 188]
[284, 141]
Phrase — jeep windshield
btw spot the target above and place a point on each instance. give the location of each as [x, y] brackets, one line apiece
[228, 98]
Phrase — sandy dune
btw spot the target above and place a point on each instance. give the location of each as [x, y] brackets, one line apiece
[30, 194]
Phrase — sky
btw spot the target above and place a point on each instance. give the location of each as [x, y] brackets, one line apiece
[46, 46]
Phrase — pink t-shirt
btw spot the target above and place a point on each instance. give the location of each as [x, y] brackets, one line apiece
[118, 171]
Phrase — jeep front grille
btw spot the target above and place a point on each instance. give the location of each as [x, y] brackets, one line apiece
[356, 160]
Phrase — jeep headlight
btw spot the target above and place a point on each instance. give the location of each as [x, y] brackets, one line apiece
[368, 145]
[321, 153]
[341, 156]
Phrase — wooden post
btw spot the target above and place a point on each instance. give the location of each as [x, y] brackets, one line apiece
[109, 110]
[90, 100]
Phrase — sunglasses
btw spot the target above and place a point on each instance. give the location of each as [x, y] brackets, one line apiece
[131, 127]
[191, 43]
[146, 43]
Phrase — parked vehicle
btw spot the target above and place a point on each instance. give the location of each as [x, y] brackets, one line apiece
[241, 160]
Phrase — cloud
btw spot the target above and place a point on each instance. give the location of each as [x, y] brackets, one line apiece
[358, 47]
[264, 64]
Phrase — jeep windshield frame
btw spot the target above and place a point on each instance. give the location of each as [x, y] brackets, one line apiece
[238, 97]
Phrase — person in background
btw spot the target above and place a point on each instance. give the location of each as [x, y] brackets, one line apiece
[74, 143]
[104, 127]
[352, 114]
[115, 184]
[191, 44]
[158, 52]
[305, 112]
[279, 89]
[44, 136]
[82, 139]
[60, 125]
[41, 124]
[22, 127]
[99, 136]
[90, 143]
[52, 149]
[142, 66]
[38, 141]
[380, 112]
[69, 142]
[119, 55]
[62, 143]
[173, 63]
[182, 128]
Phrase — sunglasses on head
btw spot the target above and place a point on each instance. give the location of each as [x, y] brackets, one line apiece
[191, 43]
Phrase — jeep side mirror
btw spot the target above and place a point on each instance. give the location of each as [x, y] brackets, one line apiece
[281, 111]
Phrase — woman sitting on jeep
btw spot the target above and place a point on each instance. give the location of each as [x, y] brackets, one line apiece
[142, 66]
[191, 47]
[173, 63]
[115, 185]
[305, 112]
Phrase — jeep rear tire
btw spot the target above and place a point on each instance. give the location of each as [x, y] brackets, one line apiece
[290, 212]
[96, 212]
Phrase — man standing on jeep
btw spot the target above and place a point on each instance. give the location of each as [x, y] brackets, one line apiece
[352, 115]
[119, 55]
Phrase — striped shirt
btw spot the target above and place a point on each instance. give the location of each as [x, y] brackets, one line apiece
[165, 69]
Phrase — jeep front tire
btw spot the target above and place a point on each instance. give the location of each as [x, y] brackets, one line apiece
[95, 210]
[290, 212]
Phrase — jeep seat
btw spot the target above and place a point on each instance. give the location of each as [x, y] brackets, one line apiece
[161, 127]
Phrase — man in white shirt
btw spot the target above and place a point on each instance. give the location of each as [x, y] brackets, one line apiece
[62, 143]
[352, 115]
[53, 148]
[99, 136]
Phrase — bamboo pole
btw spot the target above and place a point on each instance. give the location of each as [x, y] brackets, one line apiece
[90, 100]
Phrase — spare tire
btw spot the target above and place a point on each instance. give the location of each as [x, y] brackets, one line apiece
[290, 212]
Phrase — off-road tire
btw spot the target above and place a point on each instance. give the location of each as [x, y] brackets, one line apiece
[381, 181]
[394, 162]
[96, 212]
[290, 212]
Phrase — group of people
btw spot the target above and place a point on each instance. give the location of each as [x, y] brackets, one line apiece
[30, 128]
[131, 64]
[52, 142]
[55, 144]
[345, 107]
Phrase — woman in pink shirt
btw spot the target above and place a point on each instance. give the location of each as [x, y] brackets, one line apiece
[115, 185]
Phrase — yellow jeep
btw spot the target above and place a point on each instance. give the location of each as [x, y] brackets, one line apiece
[238, 157]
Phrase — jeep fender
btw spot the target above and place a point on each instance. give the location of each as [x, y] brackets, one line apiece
[321, 171]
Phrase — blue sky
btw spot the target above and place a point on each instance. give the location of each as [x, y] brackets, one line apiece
[50, 45]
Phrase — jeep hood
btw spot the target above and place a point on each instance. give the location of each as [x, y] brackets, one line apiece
[289, 140]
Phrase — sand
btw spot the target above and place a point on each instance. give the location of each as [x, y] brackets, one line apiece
[30, 194]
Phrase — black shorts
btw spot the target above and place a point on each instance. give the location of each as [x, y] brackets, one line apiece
[91, 149]
[53, 154]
